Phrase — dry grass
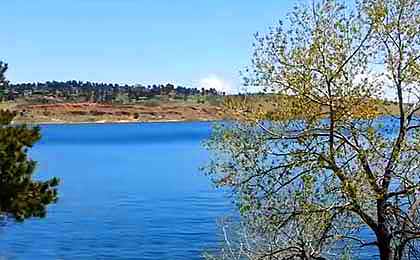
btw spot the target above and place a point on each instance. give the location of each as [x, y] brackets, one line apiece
[144, 112]
[92, 112]
[7, 105]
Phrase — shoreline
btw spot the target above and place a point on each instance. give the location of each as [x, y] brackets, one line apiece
[103, 122]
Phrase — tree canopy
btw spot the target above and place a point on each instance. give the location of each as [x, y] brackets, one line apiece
[78, 91]
[318, 167]
[21, 197]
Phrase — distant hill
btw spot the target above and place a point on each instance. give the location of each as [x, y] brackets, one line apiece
[78, 91]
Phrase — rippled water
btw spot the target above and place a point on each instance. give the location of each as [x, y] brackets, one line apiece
[129, 191]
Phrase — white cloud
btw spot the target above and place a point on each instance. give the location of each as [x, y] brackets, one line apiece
[218, 83]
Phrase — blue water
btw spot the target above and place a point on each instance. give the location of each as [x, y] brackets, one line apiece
[129, 191]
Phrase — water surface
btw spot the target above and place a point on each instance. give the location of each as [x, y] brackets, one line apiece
[129, 191]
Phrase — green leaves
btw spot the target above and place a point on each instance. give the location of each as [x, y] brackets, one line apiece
[21, 197]
[319, 162]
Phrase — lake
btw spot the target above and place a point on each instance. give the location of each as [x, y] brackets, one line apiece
[128, 191]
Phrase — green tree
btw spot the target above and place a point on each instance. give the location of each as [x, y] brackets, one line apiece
[315, 170]
[21, 197]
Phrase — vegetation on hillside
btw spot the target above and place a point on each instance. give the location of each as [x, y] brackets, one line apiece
[77, 91]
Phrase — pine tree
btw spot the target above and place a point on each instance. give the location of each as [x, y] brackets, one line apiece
[21, 197]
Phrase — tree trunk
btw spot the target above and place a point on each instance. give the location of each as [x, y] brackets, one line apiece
[385, 251]
[384, 243]
[382, 235]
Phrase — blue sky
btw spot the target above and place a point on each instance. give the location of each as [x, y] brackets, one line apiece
[189, 42]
